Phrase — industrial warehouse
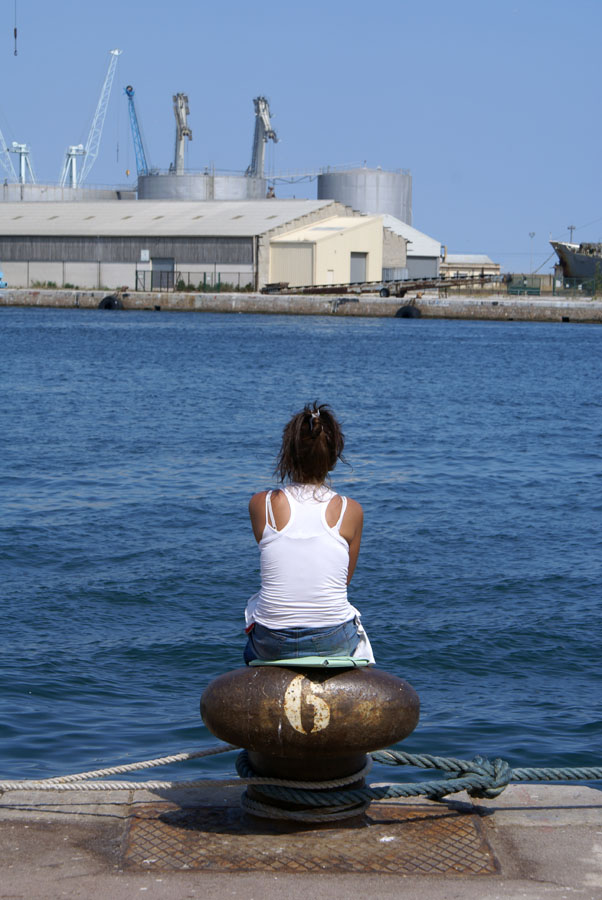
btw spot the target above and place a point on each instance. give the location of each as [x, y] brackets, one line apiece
[183, 230]
[160, 245]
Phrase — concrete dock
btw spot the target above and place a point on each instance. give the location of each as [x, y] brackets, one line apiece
[532, 842]
[433, 305]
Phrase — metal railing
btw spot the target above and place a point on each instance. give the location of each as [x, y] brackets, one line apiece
[213, 282]
[578, 287]
[527, 285]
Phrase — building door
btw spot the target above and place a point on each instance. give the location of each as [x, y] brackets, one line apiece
[162, 273]
[292, 263]
[358, 267]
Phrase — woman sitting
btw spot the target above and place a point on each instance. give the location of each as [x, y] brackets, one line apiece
[309, 540]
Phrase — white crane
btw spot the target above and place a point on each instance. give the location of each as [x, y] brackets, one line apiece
[5, 161]
[22, 151]
[263, 133]
[69, 175]
[181, 112]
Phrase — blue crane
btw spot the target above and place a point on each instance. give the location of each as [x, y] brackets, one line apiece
[141, 163]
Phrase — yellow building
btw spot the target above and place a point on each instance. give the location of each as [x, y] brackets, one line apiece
[338, 250]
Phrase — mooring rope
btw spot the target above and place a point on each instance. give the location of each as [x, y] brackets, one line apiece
[74, 782]
[479, 777]
[143, 764]
[325, 800]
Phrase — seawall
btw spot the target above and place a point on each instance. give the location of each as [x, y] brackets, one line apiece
[493, 307]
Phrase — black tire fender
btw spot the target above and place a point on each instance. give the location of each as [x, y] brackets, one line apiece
[110, 302]
[408, 312]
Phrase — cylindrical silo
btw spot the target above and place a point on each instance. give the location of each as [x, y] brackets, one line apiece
[370, 191]
[238, 187]
[169, 186]
[200, 186]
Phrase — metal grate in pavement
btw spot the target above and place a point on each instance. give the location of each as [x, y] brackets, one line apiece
[389, 838]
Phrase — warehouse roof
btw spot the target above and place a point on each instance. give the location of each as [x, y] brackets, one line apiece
[419, 244]
[477, 259]
[158, 218]
[325, 228]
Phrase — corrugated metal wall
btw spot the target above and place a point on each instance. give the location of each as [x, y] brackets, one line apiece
[220, 250]
[292, 263]
[358, 264]
[423, 266]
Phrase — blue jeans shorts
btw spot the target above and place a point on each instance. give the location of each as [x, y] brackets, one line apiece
[291, 643]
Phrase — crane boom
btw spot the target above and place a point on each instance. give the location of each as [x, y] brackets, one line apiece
[141, 162]
[181, 112]
[5, 160]
[263, 133]
[90, 151]
[93, 142]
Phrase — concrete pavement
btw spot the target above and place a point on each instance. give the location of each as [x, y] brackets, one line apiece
[532, 842]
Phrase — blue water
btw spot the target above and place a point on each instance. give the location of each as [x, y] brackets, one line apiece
[132, 442]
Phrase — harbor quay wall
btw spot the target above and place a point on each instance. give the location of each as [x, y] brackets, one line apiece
[492, 307]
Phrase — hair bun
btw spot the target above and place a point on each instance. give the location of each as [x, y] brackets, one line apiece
[312, 442]
[315, 424]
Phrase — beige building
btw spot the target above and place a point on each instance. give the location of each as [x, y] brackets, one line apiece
[460, 265]
[338, 250]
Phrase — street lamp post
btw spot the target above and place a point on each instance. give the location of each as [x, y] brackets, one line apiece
[531, 235]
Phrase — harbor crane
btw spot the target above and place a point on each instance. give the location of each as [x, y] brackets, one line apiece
[263, 133]
[22, 151]
[5, 161]
[141, 161]
[69, 174]
[181, 112]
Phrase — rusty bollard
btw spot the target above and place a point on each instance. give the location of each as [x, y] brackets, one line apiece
[309, 724]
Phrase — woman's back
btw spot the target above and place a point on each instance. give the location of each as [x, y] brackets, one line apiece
[309, 540]
[304, 565]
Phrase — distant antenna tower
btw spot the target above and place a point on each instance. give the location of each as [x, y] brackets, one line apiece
[263, 133]
[22, 150]
[181, 112]
[69, 174]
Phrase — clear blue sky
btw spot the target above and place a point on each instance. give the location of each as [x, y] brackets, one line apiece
[493, 106]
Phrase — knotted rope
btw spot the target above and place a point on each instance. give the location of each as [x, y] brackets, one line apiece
[326, 800]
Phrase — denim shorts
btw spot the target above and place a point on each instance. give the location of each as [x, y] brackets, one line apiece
[291, 643]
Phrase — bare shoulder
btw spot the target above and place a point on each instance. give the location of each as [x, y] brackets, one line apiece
[257, 501]
[353, 522]
[257, 513]
[355, 509]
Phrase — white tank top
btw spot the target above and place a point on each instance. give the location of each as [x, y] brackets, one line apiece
[304, 566]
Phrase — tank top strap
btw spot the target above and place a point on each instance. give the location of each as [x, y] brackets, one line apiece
[343, 508]
[269, 513]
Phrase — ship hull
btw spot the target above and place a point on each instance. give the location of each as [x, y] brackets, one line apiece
[575, 264]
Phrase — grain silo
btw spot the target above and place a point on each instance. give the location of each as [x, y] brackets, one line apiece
[369, 190]
[200, 186]
[180, 184]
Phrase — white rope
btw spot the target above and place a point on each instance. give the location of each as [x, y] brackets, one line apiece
[75, 782]
[103, 785]
[144, 764]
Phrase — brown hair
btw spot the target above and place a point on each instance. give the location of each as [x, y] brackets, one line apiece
[312, 442]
